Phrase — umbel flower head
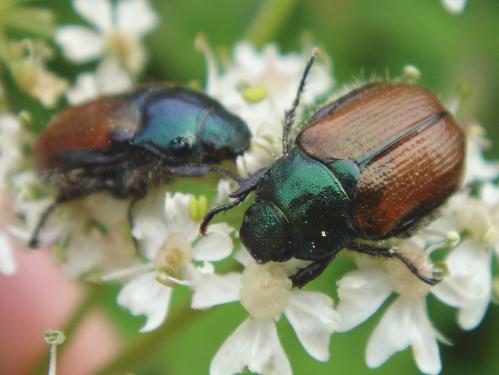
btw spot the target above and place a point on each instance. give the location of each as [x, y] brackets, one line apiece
[406, 322]
[259, 87]
[266, 293]
[174, 255]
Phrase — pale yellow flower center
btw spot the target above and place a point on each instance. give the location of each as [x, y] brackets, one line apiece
[126, 49]
[172, 258]
[265, 290]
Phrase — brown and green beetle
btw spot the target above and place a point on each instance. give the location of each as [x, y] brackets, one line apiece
[368, 166]
[124, 144]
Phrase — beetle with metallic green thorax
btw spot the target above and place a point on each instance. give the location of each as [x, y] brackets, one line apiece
[368, 166]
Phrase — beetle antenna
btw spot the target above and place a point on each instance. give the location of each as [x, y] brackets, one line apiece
[290, 115]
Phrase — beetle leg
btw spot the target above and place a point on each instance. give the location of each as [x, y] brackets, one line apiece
[310, 272]
[249, 184]
[211, 213]
[245, 188]
[33, 242]
[389, 253]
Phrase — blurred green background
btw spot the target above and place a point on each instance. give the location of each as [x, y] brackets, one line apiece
[362, 37]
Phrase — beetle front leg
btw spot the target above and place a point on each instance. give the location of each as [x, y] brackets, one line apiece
[214, 211]
[310, 272]
[246, 186]
[389, 253]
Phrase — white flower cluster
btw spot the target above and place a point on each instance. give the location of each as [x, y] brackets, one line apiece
[467, 227]
[259, 87]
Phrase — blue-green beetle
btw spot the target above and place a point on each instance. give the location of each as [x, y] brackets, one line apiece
[366, 167]
[124, 144]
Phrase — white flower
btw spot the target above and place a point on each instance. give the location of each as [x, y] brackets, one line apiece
[117, 33]
[259, 87]
[454, 6]
[108, 79]
[265, 292]
[170, 242]
[406, 322]
[470, 264]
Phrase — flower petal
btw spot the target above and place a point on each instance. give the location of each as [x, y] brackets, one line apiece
[361, 293]
[7, 262]
[145, 296]
[177, 216]
[84, 89]
[405, 323]
[469, 317]
[243, 256]
[217, 245]
[314, 320]
[254, 344]
[389, 336]
[136, 17]
[79, 44]
[211, 290]
[423, 339]
[470, 275]
[490, 193]
[112, 78]
[454, 6]
[97, 12]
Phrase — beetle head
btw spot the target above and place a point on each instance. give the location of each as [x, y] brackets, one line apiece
[267, 234]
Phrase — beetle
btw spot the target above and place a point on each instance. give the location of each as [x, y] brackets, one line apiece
[368, 166]
[124, 144]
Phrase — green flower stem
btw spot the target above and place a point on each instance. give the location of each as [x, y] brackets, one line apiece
[87, 303]
[269, 20]
[147, 344]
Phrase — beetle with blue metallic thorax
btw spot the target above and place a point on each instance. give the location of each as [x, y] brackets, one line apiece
[124, 144]
[368, 166]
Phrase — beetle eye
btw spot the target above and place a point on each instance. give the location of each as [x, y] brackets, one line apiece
[267, 234]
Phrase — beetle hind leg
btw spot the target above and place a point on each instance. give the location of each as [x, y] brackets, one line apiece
[388, 253]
